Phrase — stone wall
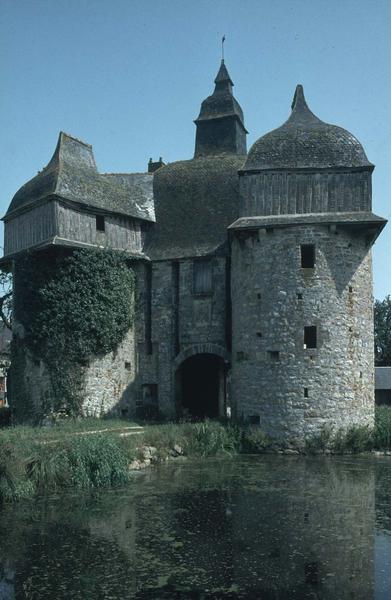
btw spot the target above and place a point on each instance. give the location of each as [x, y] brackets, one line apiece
[109, 381]
[293, 390]
[181, 321]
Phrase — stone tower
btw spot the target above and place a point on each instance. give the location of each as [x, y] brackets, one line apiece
[220, 124]
[302, 306]
[66, 206]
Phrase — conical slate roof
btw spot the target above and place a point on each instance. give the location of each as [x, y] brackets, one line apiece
[223, 75]
[222, 102]
[71, 175]
[304, 141]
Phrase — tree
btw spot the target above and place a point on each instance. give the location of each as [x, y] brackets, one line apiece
[382, 310]
[6, 298]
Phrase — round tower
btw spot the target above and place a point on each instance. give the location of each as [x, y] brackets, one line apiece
[302, 306]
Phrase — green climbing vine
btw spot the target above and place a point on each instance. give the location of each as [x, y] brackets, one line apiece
[74, 306]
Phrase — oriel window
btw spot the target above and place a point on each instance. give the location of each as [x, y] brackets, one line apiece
[202, 277]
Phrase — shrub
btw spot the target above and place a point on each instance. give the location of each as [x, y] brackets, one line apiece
[5, 416]
[320, 441]
[355, 439]
[254, 440]
[382, 434]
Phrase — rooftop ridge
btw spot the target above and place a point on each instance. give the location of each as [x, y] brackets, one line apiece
[76, 139]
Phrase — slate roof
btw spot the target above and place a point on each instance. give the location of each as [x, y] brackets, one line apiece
[72, 175]
[195, 201]
[383, 378]
[368, 222]
[353, 218]
[222, 102]
[304, 141]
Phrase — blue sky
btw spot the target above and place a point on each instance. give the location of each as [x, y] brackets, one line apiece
[129, 76]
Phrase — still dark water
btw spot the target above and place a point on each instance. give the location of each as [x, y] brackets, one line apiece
[267, 528]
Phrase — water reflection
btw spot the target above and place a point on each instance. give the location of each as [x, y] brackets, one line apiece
[267, 528]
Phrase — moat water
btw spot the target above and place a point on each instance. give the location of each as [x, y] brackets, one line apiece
[267, 528]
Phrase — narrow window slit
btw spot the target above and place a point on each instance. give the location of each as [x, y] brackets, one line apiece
[310, 337]
[307, 256]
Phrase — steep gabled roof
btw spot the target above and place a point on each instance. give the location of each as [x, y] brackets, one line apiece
[72, 175]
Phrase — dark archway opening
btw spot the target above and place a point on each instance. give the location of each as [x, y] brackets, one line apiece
[200, 386]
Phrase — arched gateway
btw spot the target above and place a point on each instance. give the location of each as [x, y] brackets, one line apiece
[201, 381]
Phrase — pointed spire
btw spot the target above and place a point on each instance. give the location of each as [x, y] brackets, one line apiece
[299, 99]
[223, 75]
[300, 110]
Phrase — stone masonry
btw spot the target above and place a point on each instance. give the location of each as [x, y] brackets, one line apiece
[253, 272]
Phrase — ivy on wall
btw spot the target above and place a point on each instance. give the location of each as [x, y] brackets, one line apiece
[74, 306]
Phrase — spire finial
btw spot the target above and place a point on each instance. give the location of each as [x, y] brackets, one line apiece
[299, 99]
[222, 48]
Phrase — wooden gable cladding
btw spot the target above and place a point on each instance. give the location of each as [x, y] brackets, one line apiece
[57, 222]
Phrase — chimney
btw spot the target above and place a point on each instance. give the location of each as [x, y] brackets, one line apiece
[154, 166]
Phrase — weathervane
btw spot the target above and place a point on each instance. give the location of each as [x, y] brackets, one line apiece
[222, 47]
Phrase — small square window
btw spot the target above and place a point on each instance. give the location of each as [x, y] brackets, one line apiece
[100, 223]
[128, 365]
[254, 419]
[274, 355]
[202, 277]
[300, 296]
[310, 336]
[307, 256]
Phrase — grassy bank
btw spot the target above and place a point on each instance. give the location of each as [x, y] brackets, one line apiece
[34, 460]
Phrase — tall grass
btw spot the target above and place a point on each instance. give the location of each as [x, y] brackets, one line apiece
[357, 438]
[33, 460]
[211, 438]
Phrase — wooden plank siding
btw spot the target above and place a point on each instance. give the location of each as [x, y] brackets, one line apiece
[121, 233]
[55, 222]
[277, 193]
[30, 228]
